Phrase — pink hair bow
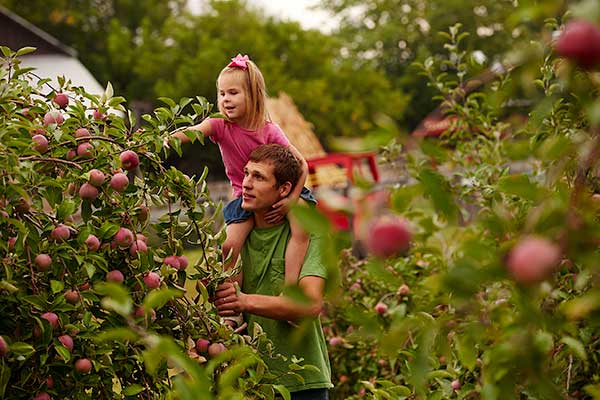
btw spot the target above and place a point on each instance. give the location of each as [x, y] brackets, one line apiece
[239, 61]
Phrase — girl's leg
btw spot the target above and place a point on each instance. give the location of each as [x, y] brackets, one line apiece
[295, 250]
[237, 233]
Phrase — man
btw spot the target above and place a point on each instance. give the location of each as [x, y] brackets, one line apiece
[268, 178]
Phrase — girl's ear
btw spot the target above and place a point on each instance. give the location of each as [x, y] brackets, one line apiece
[284, 189]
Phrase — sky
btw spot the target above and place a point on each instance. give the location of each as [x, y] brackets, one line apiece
[296, 10]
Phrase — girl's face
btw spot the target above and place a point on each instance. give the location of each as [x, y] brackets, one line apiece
[232, 97]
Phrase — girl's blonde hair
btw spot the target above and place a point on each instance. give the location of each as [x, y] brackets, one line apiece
[256, 93]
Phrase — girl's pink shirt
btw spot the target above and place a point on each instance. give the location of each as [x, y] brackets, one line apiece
[236, 144]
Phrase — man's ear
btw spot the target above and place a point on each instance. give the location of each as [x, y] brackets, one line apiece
[284, 190]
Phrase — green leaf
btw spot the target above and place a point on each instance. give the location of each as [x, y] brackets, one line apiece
[66, 209]
[63, 352]
[519, 185]
[56, 286]
[467, 354]
[311, 219]
[438, 190]
[4, 375]
[107, 231]
[118, 334]
[576, 347]
[132, 390]
[158, 298]
[282, 390]
[22, 349]
[25, 50]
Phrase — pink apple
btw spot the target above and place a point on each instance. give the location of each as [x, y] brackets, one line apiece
[43, 261]
[580, 41]
[88, 192]
[215, 349]
[61, 233]
[66, 341]
[403, 290]
[183, 262]
[381, 308]
[83, 366]
[51, 318]
[92, 243]
[72, 296]
[202, 345]
[71, 154]
[533, 259]
[139, 246]
[53, 118]
[336, 341]
[152, 280]
[85, 150]
[61, 100]
[172, 261]
[115, 276]
[42, 396]
[119, 182]
[50, 382]
[40, 143]
[455, 384]
[82, 132]
[4, 349]
[129, 160]
[99, 115]
[96, 177]
[388, 236]
[123, 238]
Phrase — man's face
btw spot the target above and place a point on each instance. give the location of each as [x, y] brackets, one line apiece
[259, 188]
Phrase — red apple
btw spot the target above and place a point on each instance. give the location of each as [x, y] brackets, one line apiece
[129, 159]
[183, 262]
[61, 233]
[403, 290]
[53, 118]
[4, 349]
[152, 280]
[215, 349]
[71, 154]
[72, 296]
[11, 242]
[98, 115]
[115, 276]
[202, 345]
[119, 182]
[66, 341]
[51, 318]
[61, 100]
[172, 261]
[533, 259]
[42, 396]
[141, 313]
[580, 41]
[83, 366]
[50, 382]
[139, 246]
[82, 132]
[455, 384]
[85, 150]
[92, 243]
[40, 143]
[43, 261]
[381, 308]
[96, 177]
[123, 238]
[388, 236]
[88, 192]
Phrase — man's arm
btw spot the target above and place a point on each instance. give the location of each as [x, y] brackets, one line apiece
[228, 302]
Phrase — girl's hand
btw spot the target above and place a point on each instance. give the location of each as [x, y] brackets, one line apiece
[280, 209]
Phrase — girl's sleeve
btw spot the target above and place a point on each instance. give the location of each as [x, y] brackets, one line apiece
[277, 136]
[217, 126]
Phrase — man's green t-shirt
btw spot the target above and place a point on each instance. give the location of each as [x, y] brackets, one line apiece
[263, 265]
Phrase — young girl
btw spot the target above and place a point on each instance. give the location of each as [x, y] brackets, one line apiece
[242, 100]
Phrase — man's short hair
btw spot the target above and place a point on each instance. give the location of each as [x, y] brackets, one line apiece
[286, 167]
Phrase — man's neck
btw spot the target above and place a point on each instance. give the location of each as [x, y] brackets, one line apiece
[260, 221]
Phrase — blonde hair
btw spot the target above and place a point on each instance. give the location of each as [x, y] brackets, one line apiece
[256, 93]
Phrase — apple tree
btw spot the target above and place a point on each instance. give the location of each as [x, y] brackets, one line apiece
[98, 298]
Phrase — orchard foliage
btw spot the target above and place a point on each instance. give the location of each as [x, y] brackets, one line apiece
[98, 299]
[499, 296]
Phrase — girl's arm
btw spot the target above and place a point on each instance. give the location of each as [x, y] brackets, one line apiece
[203, 127]
[295, 194]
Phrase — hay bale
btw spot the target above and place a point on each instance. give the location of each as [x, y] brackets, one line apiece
[299, 131]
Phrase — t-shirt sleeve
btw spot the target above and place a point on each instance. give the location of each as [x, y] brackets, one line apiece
[217, 126]
[313, 263]
[277, 136]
